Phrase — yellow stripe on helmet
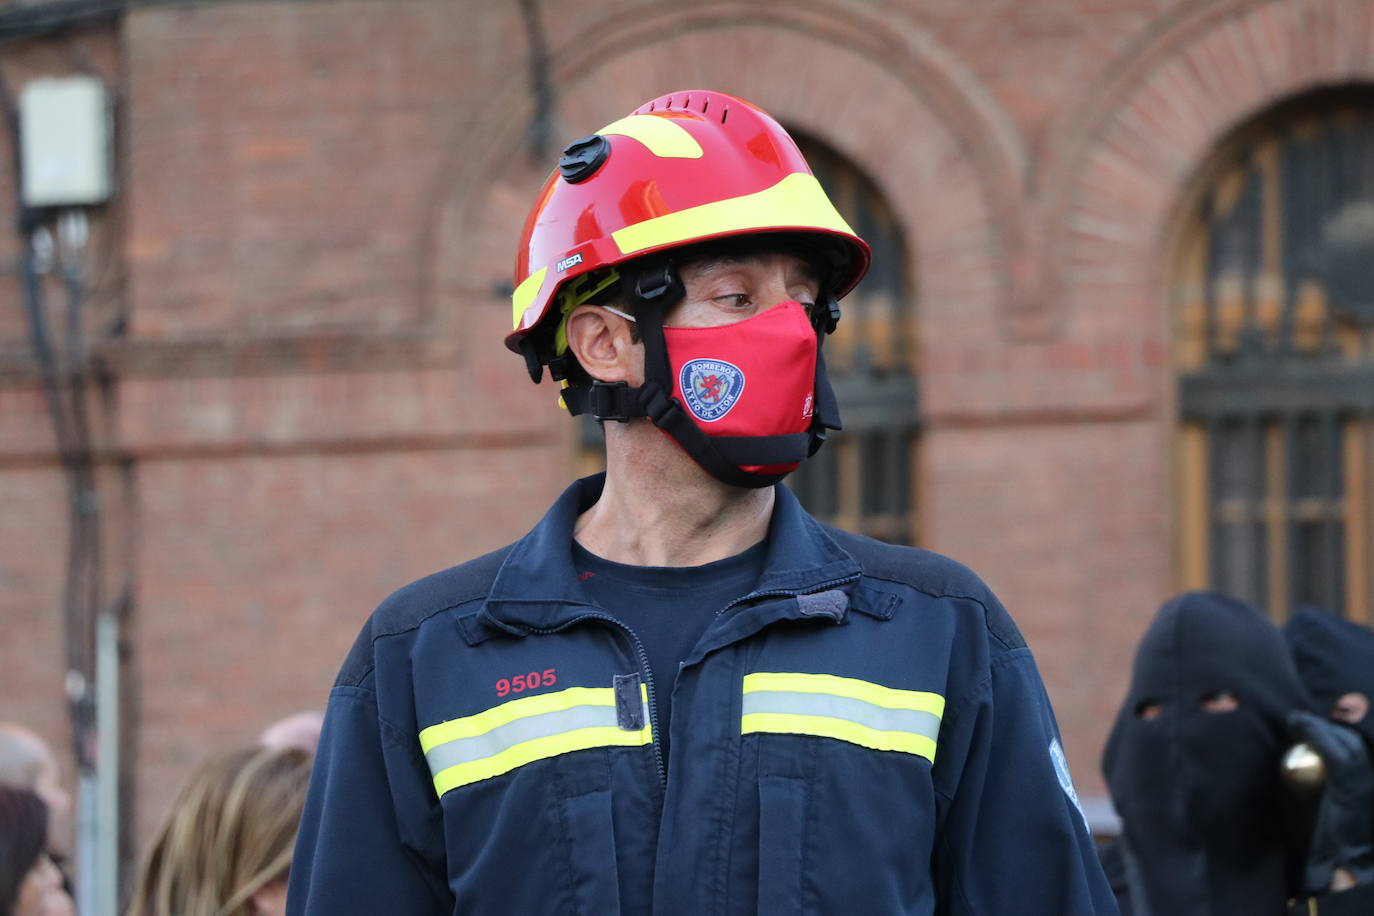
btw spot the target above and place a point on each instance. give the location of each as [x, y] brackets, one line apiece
[796, 202]
[525, 294]
[663, 137]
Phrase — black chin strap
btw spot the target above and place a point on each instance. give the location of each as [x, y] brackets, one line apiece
[654, 291]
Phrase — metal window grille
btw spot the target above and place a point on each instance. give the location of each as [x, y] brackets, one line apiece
[1275, 344]
[862, 479]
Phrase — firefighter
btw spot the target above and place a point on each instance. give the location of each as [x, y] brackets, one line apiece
[679, 693]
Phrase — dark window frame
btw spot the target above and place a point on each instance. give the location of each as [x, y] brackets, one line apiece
[1275, 346]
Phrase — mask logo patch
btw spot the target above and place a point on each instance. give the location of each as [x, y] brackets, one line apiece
[710, 387]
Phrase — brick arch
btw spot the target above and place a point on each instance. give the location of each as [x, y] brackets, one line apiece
[1115, 197]
[945, 156]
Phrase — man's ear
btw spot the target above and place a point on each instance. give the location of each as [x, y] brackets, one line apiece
[604, 345]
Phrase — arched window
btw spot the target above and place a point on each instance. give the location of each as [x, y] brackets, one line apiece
[863, 478]
[1274, 341]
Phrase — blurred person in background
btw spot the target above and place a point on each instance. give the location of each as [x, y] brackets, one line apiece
[30, 884]
[300, 729]
[225, 847]
[680, 693]
[1335, 659]
[27, 762]
[1194, 765]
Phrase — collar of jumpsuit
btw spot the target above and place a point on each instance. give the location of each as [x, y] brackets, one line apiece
[537, 587]
[1199, 791]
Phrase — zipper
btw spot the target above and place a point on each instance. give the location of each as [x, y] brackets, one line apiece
[644, 668]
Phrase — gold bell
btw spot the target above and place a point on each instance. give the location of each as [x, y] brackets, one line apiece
[1303, 769]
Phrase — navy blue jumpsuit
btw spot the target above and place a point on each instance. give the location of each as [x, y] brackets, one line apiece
[865, 732]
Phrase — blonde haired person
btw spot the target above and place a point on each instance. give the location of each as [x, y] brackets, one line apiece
[225, 847]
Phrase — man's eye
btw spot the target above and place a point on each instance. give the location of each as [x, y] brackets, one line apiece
[734, 300]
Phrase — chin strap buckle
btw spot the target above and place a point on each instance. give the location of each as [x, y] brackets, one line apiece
[611, 401]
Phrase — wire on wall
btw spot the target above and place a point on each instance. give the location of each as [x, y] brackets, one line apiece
[541, 82]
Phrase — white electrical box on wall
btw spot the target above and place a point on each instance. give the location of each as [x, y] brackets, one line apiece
[65, 134]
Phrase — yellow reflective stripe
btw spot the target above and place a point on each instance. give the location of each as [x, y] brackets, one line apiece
[539, 749]
[833, 684]
[485, 721]
[524, 294]
[796, 202]
[839, 729]
[663, 137]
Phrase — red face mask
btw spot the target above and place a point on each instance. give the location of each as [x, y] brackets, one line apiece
[753, 378]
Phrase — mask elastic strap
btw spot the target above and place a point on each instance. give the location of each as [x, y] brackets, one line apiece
[615, 311]
[826, 414]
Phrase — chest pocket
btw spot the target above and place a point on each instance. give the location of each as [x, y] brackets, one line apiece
[844, 806]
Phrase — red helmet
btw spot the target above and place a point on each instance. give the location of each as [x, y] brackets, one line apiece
[685, 168]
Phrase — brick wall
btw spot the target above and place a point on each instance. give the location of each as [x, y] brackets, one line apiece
[313, 241]
[259, 571]
[33, 527]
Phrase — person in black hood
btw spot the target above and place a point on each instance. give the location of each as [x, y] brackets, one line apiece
[1192, 763]
[1335, 659]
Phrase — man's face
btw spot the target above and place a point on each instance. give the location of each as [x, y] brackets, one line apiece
[717, 290]
[726, 289]
[1350, 708]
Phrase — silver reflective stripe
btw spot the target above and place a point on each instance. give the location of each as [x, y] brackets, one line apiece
[529, 728]
[863, 713]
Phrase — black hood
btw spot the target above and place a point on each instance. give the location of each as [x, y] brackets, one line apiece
[1334, 657]
[1198, 791]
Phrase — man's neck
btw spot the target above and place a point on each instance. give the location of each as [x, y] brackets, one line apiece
[659, 508]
